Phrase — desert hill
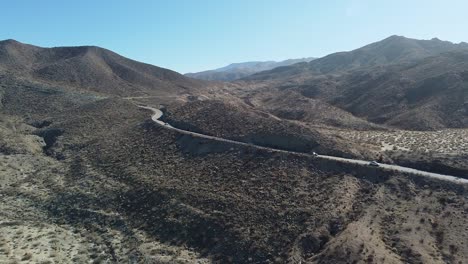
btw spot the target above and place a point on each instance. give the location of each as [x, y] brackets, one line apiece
[392, 50]
[171, 202]
[400, 82]
[86, 175]
[240, 122]
[90, 68]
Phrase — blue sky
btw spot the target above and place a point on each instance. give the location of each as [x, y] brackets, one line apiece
[195, 35]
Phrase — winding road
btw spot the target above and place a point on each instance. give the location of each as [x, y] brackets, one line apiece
[157, 114]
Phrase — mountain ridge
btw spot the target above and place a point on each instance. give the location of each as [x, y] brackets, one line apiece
[402, 82]
[87, 176]
[91, 67]
[394, 49]
[239, 70]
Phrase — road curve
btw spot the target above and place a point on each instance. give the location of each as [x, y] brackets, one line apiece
[157, 114]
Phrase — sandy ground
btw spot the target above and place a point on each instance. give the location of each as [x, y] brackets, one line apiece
[31, 233]
[447, 141]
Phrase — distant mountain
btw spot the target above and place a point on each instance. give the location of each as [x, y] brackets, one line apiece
[236, 71]
[406, 83]
[89, 68]
[392, 50]
[429, 94]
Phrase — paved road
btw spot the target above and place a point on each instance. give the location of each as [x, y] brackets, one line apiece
[401, 168]
[158, 114]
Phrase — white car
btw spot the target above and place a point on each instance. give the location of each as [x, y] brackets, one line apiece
[374, 163]
[314, 154]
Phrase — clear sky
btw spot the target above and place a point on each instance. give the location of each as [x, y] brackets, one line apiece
[195, 35]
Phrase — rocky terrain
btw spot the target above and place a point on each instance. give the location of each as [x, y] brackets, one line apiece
[87, 176]
[173, 203]
[398, 82]
[34, 231]
[443, 151]
[392, 50]
[90, 68]
[240, 122]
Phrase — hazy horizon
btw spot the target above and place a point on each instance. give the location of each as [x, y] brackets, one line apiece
[194, 36]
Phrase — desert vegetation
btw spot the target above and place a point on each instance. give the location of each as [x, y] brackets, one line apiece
[446, 141]
[442, 151]
[236, 204]
[30, 232]
[87, 176]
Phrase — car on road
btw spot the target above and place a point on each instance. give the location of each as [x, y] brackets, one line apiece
[314, 154]
[374, 163]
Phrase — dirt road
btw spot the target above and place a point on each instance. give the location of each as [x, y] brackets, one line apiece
[157, 114]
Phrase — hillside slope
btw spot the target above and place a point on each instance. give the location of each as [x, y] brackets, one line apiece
[423, 86]
[392, 50]
[87, 176]
[240, 122]
[90, 68]
[144, 193]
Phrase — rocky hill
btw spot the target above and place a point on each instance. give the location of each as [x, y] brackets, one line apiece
[90, 68]
[240, 122]
[392, 50]
[87, 176]
[400, 82]
[144, 193]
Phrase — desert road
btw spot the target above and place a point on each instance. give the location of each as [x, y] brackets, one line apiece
[157, 114]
